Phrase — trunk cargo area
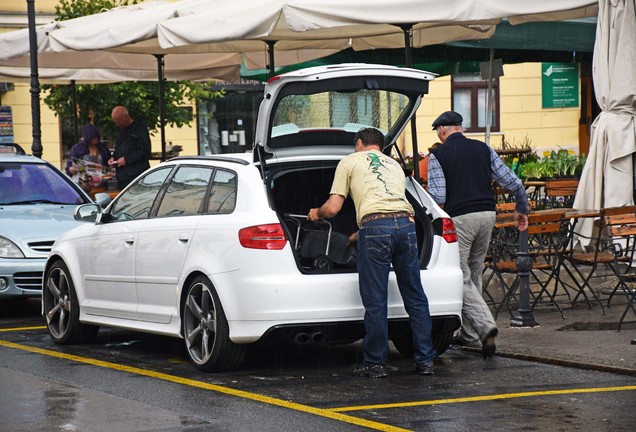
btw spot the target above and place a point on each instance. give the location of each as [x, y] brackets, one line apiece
[322, 247]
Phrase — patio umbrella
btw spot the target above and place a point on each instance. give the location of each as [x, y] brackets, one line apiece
[104, 66]
[134, 29]
[607, 179]
[250, 28]
[374, 24]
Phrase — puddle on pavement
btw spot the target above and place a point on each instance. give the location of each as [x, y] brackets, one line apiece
[589, 326]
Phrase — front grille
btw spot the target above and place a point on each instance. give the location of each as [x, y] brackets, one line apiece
[28, 280]
[41, 246]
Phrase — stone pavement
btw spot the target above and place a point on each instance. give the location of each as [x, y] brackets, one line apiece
[585, 338]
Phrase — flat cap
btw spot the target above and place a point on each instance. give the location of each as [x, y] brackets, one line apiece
[448, 118]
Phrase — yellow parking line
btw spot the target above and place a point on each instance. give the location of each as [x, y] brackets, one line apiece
[22, 329]
[207, 386]
[483, 398]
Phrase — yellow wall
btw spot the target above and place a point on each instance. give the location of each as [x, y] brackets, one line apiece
[20, 102]
[21, 5]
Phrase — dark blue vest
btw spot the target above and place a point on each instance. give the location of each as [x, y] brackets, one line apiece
[466, 166]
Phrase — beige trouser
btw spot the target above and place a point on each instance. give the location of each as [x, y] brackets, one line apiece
[473, 232]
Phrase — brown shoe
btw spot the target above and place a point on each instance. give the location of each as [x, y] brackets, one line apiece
[488, 346]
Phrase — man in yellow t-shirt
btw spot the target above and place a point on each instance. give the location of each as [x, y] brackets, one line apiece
[377, 185]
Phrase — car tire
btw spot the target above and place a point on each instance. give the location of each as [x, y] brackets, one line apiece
[441, 341]
[206, 331]
[61, 308]
[404, 345]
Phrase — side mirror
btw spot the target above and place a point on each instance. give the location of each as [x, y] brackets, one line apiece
[88, 213]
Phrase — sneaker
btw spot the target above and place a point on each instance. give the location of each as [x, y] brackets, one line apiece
[425, 369]
[368, 370]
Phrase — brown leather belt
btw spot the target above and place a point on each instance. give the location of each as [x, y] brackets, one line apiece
[375, 216]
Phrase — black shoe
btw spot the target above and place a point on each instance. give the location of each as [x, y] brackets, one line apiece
[368, 370]
[488, 346]
[425, 369]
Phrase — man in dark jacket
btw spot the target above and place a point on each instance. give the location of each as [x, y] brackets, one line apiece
[132, 147]
[460, 176]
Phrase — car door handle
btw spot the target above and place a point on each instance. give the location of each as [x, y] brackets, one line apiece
[130, 240]
[184, 238]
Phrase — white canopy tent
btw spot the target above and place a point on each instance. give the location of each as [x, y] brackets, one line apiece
[299, 29]
[132, 29]
[104, 66]
[608, 176]
[374, 24]
[250, 27]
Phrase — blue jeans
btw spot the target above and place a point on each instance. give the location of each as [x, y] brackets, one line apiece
[383, 242]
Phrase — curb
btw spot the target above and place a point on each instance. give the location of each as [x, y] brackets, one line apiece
[558, 362]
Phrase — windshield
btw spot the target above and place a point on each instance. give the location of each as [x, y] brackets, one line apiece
[27, 183]
[341, 113]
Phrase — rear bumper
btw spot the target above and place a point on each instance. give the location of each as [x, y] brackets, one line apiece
[255, 305]
[350, 331]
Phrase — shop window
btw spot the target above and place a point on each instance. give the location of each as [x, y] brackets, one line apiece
[470, 98]
[227, 124]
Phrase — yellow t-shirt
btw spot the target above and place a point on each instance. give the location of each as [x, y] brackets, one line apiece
[375, 182]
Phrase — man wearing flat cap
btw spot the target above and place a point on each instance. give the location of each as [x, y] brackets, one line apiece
[460, 176]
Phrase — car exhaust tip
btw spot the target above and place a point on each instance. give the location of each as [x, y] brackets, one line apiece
[318, 337]
[302, 338]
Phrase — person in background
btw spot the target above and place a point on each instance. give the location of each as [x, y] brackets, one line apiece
[132, 147]
[386, 237]
[460, 176]
[424, 165]
[89, 149]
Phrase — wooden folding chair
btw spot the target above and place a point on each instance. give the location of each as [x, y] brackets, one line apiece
[561, 192]
[547, 236]
[621, 233]
[601, 255]
[501, 195]
[509, 207]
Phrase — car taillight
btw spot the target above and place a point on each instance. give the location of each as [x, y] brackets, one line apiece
[448, 230]
[269, 236]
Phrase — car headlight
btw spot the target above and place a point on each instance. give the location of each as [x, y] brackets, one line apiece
[8, 249]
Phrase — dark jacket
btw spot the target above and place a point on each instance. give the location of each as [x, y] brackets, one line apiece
[79, 150]
[133, 143]
[468, 174]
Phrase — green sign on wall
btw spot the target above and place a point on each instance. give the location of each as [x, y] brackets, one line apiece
[559, 85]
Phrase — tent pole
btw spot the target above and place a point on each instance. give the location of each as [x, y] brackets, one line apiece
[36, 146]
[270, 52]
[162, 105]
[489, 95]
[407, 30]
[74, 101]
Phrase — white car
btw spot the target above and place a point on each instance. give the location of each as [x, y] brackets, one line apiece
[217, 250]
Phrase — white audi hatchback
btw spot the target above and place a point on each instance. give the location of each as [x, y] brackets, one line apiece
[217, 250]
